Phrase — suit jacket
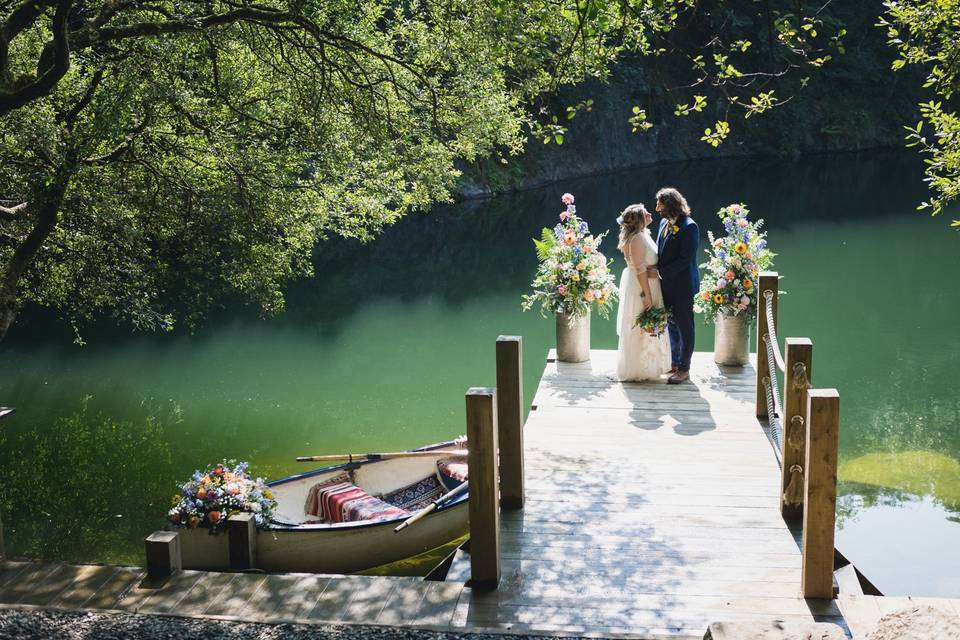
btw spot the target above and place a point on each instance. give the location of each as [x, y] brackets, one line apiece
[677, 256]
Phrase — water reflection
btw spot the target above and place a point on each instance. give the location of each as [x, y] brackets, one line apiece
[376, 351]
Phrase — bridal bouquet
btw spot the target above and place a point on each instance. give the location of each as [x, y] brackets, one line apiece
[573, 275]
[728, 281]
[653, 320]
[218, 492]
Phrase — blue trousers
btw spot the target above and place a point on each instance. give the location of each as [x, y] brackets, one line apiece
[681, 326]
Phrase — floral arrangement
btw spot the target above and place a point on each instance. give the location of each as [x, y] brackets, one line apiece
[573, 275]
[653, 320]
[728, 283]
[211, 496]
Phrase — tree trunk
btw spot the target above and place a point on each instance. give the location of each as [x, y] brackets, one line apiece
[47, 210]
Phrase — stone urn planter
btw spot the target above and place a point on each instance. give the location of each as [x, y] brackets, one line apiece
[573, 338]
[731, 343]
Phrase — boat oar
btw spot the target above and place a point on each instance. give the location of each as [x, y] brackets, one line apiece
[430, 508]
[383, 456]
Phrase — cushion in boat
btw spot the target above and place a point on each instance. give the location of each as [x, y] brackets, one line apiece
[416, 496]
[346, 502]
[312, 505]
[452, 471]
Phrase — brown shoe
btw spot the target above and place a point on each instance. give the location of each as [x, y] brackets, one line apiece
[678, 377]
[673, 369]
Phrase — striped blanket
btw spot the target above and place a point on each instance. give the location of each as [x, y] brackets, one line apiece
[345, 502]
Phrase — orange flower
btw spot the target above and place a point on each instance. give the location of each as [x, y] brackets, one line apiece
[729, 275]
[214, 517]
[748, 284]
[588, 295]
[705, 295]
[570, 238]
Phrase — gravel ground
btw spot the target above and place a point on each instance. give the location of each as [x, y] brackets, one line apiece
[57, 625]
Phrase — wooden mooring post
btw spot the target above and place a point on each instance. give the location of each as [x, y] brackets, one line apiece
[242, 542]
[820, 491]
[484, 505]
[510, 419]
[163, 554]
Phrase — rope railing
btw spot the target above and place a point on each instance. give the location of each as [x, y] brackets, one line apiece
[772, 345]
[776, 427]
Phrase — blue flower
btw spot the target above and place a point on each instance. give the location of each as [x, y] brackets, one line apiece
[761, 243]
[728, 225]
[583, 227]
[576, 250]
[722, 254]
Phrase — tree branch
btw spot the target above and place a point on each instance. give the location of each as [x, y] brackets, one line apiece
[49, 77]
[9, 213]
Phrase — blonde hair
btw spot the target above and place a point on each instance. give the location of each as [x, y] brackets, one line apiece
[634, 222]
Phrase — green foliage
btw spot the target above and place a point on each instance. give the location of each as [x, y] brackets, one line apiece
[175, 154]
[927, 33]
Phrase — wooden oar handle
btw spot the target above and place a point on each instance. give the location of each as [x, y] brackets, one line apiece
[382, 456]
[415, 518]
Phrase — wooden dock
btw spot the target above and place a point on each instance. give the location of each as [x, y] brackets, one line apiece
[650, 511]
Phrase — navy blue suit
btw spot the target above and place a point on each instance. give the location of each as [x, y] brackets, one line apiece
[680, 281]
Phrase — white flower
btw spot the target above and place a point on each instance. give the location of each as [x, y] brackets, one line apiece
[255, 507]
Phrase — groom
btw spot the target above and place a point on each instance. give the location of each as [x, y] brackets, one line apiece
[677, 246]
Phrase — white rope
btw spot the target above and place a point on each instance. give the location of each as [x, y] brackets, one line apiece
[773, 344]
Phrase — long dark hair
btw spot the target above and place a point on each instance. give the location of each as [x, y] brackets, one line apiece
[675, 204]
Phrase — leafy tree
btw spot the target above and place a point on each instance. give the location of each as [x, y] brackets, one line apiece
[927, 33]
[159, 155]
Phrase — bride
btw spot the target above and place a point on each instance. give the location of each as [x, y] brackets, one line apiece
[640, 356]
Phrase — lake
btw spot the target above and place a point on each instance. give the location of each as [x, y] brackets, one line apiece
[376, 351]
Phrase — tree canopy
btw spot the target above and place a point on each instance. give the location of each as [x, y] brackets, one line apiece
[158, 155]
[927, 33]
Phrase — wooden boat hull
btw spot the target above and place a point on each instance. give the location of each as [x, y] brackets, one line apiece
[346, 547]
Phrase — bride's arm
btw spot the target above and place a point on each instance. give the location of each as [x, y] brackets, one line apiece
[638, 252]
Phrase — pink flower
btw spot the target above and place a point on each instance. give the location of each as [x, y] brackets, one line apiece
[745, 300]
[718, 243]
[729, 275]
[742, 223]
[588, 295]
[564, 215]
[567, 198]
[735, 208]
[562, 290]
[570, 238]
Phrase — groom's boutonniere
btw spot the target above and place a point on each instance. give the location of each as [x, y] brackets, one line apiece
[674, 229]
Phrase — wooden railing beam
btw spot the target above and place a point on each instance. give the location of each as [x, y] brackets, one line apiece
[769, 280]
[484, 504]
[820, 491]
[510, 419]
[798, 360]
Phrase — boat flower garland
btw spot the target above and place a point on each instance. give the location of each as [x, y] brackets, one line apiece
[211, 496]
[573, 275]
[729, 280]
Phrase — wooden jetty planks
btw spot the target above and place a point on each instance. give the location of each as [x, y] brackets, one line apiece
[649, 509]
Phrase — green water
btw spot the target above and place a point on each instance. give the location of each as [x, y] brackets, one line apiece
[377, 351]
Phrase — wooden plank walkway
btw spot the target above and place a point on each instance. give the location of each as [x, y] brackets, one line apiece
[651, 512]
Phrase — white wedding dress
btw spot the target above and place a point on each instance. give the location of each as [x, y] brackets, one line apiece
[640, 356]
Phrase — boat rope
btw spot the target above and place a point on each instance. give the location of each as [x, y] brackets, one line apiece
[794, 494]
[800, 380]
[773, 345]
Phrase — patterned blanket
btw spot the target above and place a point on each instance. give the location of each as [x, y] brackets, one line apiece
[345, 502]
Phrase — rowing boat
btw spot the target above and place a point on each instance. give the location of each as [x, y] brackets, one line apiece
[316, 527]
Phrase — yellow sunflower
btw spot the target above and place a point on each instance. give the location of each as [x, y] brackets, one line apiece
[740, 248]
[718, 298]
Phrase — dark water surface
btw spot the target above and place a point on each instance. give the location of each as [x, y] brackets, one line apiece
[376, 352]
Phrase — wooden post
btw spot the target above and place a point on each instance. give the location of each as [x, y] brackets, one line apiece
[163, 554]
[820, 489]
[510, 419]
[768, 281]
[798, 359]
[242, 532]
[484, 485]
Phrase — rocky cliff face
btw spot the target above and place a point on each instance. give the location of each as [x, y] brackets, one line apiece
[855, 102]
